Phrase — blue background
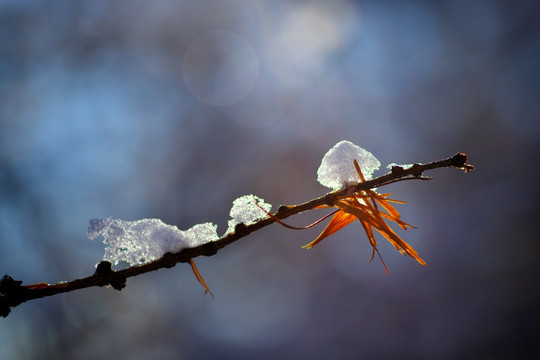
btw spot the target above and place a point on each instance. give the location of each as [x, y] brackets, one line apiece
[172, 109]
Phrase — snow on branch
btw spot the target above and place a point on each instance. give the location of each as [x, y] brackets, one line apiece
[336, 166]
[149, 244]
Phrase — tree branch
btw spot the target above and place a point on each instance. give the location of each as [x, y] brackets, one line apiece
[13, 293]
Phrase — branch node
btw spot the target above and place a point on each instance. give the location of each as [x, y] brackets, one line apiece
[104, 268]
[330, 199]
[168, 260]
[118, 283]
[416, 170]
[240, 229]
[209, 249]
[282, 209]
[397, 170]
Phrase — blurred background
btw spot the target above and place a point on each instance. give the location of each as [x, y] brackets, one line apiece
[172, 109]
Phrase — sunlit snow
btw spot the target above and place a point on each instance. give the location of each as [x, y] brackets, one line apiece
[404, 166]
[337, 165]
[245, 211]
[142, 241]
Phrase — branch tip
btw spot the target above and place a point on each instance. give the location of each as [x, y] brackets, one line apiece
[460, 161]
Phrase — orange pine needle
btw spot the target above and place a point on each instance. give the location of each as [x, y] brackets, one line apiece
[357, 167]
[363, 206]
[338, 222]
[371, 237]
[382, 261]
[200, 278]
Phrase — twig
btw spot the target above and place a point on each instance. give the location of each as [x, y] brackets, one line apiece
[13, 293]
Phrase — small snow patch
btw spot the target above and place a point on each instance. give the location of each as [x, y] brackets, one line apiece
[403, 166]
[245, 211]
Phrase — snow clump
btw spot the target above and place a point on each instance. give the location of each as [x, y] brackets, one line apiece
[142, 241]
[337, 165]
[245, 211]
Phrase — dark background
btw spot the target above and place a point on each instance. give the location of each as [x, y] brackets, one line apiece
[172, 109]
